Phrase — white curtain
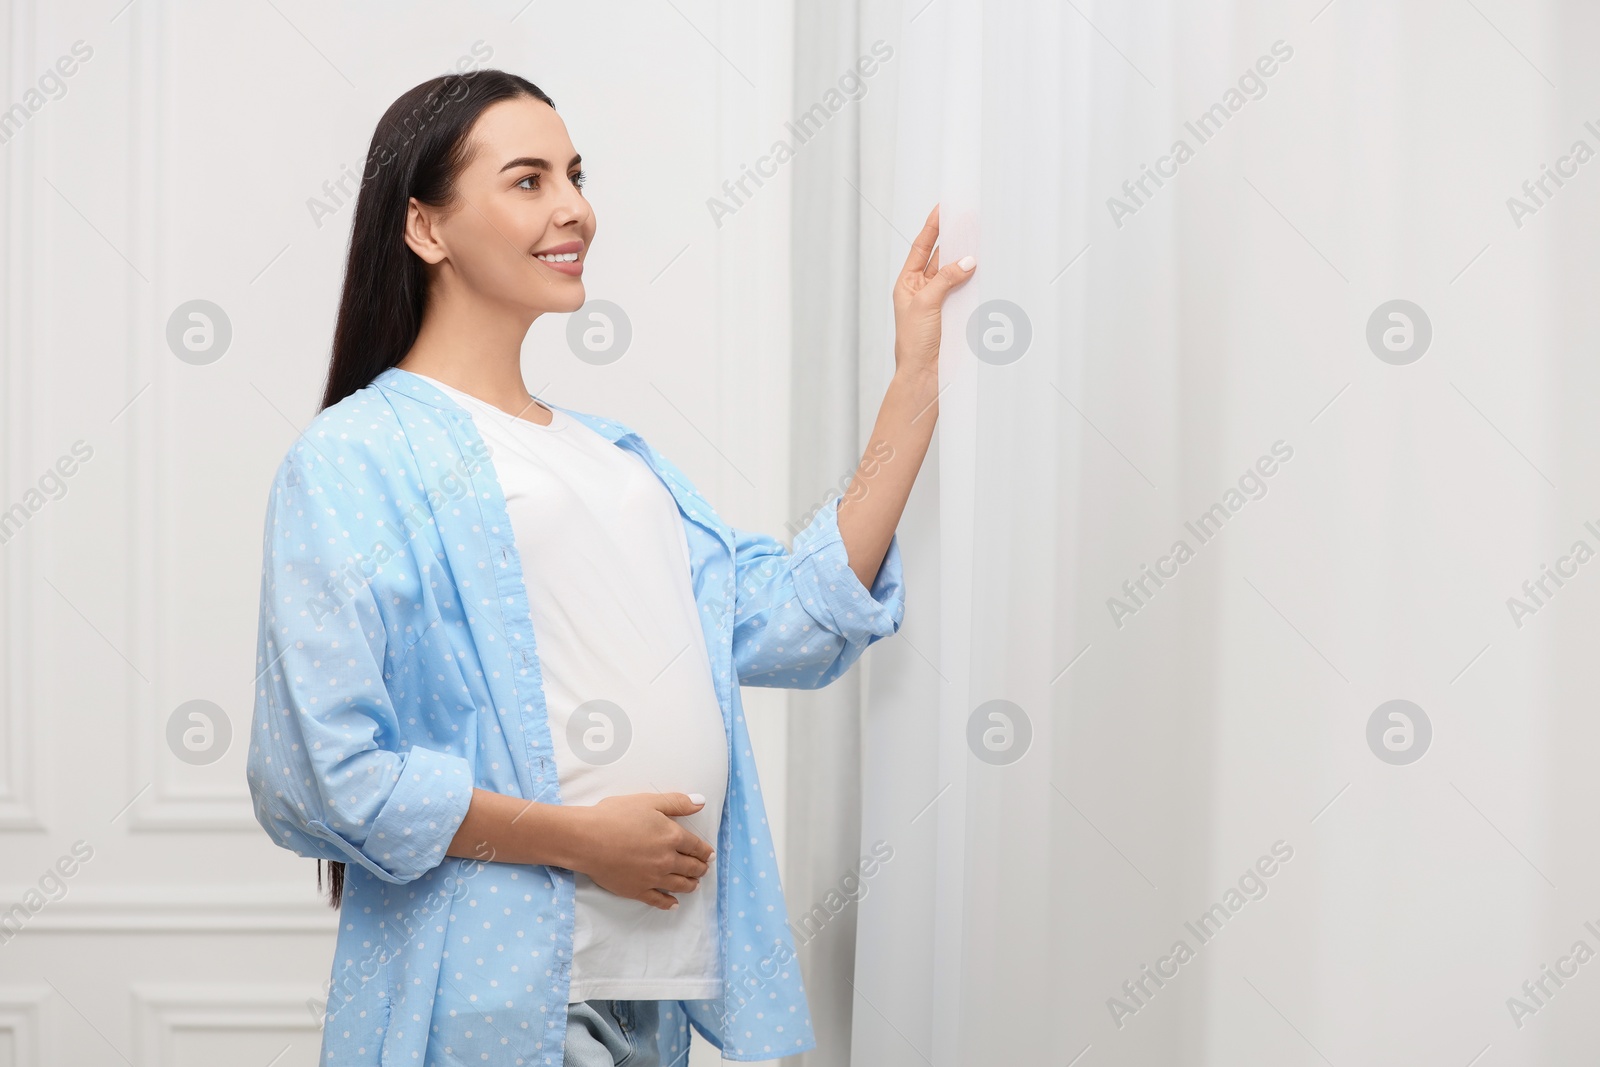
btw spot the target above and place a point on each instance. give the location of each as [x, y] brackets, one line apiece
[1197, 745]
[823, 753]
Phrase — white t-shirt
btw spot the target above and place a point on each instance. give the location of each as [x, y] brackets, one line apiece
[606, 564]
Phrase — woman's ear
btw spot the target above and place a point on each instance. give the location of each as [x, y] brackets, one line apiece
[421, 233]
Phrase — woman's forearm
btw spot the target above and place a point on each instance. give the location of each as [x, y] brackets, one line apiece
[506, 829]
[630, 845]
[872, 505]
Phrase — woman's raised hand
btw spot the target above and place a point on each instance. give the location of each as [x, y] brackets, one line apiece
[919, 294]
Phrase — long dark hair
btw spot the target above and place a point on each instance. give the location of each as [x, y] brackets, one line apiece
[418, 149]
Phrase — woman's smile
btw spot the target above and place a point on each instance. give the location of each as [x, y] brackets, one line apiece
[566, 258]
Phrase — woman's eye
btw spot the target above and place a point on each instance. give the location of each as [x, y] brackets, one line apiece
[579, 178]
[534, 178]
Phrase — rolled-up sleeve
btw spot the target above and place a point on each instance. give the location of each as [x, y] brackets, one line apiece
[328, 772]
[801, 616]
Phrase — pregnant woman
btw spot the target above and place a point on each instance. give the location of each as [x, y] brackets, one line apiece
[501, 642]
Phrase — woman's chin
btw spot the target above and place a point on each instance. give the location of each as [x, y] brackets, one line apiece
[565, 298]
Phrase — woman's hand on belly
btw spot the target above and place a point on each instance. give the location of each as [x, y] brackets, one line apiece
[631, 846]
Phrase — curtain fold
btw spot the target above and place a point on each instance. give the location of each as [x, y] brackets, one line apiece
[1024, 867]
[823, 737]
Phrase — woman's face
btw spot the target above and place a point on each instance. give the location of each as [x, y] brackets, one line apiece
[518, 199]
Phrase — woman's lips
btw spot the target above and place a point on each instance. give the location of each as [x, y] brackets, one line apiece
[574, 267]
[570, 248]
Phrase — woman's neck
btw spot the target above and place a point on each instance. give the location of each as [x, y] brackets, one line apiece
[479, 354]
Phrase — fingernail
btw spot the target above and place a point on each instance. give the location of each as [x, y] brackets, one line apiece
[966, 263]
[674, 904]
[696, 798]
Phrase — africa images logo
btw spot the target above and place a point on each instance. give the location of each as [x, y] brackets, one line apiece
[1252, 85]
[1252, 485]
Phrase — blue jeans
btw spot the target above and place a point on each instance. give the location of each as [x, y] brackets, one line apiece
[612, 1033]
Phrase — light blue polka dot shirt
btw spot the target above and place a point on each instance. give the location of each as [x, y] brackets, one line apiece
[398, 671]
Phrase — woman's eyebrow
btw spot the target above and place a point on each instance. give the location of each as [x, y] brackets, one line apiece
[540, 164]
